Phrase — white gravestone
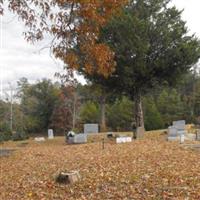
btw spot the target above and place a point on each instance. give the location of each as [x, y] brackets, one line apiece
[91, 128]
[182, 138]
[50, 134]
[39, 139]
[120, 140]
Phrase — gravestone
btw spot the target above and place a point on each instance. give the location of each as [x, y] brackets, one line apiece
[140, 132]
[177, 131]
[182, 138]
[179, 125]
[91, 128]
[77, 139]
[39, 139]
[172, 132]
[50, 134]
[120, 140]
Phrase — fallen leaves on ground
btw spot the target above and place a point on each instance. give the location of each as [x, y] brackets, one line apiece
[145, 169]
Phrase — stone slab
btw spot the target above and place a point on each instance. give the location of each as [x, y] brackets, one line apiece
[140, 132]
[172, 131]
[77, 139]
[179, 125]
[91, 128]
[39, 139]
[120, 140]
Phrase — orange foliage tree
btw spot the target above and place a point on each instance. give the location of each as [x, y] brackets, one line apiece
[70, 22]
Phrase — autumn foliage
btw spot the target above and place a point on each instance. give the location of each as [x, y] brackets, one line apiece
[144, 170]
[70, 22]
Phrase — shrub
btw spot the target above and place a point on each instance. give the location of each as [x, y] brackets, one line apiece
[19, 135]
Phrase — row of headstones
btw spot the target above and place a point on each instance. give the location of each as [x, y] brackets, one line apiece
[72, 138]
[78, 138]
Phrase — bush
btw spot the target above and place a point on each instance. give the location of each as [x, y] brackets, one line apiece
[18, 136]
[5, 136]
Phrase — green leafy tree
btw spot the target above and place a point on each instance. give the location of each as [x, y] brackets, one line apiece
[152, 46]
[170, 106]
[152, 117]
[89, 113]
[120, 114]
[37, 102]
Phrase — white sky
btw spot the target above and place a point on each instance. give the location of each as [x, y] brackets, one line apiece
[20, 59]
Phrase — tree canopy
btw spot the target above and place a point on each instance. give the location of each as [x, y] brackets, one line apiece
[152, 46]
[70, 22]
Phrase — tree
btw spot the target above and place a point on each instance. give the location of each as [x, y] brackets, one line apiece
[70, 22]
[89, 113]
[96, 93]
[152, 46]
[63, 117]
[37, 102]
[170, 105]
[120, 114]
[152, 117]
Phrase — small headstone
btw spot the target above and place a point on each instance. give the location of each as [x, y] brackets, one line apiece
[120, 140]
[172, 131]
[80, 138]
[77, 139]
[140, 132]
[50, 134]
[91, 128]
[39, 139]
[182, 138]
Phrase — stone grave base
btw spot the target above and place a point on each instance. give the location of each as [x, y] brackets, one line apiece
[188, 137]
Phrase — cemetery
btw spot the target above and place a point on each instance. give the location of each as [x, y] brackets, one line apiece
[99, 100]
[117, 166]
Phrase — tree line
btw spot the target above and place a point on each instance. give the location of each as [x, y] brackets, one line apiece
[135, 51]
[64, 107]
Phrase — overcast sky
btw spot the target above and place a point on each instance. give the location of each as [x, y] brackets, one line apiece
[20, 59]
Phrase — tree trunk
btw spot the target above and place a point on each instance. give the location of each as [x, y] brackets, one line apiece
[139, 118]
[74, 112]
[103, 114]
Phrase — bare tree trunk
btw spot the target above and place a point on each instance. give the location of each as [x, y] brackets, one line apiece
[103, 114]
[74, 111]
[139, 118]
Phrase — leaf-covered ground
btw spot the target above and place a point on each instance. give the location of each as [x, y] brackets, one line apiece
[148, 169]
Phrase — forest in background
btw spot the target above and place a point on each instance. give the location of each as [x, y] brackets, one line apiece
[67, 106]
